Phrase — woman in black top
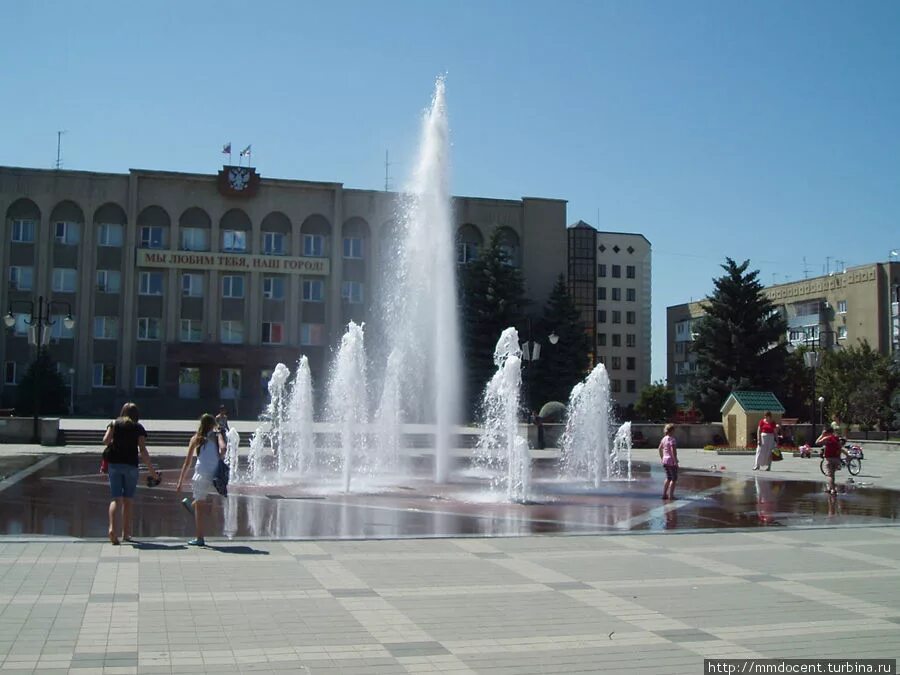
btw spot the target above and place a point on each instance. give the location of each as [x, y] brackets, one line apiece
[125, 438]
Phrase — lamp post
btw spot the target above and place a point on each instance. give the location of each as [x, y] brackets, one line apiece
[72, 391]
[531, 352]
[39, 321]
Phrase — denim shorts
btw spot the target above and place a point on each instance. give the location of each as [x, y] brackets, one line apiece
[123, 480]
[671, 471]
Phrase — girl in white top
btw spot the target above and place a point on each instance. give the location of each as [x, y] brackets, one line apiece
[210, 447]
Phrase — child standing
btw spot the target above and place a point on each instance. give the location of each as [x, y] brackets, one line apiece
[209, 445]
[668, 454]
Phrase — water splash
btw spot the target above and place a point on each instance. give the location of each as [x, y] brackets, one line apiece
[389, 417]
[619, 464]
[298, 445]
[420, 313]
[347, 401]
[501, 446]
[585, 442]
[271, 430]
[232, 453]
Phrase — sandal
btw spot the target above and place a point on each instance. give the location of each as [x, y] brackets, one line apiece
[113, 539]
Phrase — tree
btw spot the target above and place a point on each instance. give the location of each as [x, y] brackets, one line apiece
[493, 299]
[52, 399]
[858, 384]
[656, 403]
[563, 365]
[740, 341]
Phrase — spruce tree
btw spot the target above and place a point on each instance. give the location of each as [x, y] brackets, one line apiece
[492, 300]
[740, 341]
[52, 399]
[562, 365]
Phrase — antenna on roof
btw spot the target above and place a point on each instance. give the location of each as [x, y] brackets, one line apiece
[387, 174]
[59, 149]
[805, 269]
[827, 264]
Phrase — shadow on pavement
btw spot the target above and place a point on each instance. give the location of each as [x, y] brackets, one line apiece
[151, 546]
[243, 550]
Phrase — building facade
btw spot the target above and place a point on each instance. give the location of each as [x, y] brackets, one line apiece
[829, 312]
[187, 289]
[610, 281]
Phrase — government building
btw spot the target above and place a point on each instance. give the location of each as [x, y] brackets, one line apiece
[187, 289]
[858, 304]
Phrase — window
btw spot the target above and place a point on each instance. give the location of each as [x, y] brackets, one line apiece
[21, 278]
[601, 339]
[313, 245]
[352, 292]
[629, 363]
[601, 292]
[273, 288]
[272, 333]
[630, 295]
[194, 239]
[630, 317]
[150, 283]
[58, 330]
[67, 233]
[615, 386]
[842, 306]
[616, 362]
[192, 285]
[189, 383]
[601, 270]
[616, 339]
[191, 330]
[601, 316]
[104, 375]
[23, 231]
[617, 271]
[630, 340]
[152, 236]
[353, 247]
[21, 326]
[109, 234]
[230, 383]
[234, 241]
[148, 328]
[312, 334]
[109, 281]
[64, 279]
[842, 332]
[146, 377]
[313, 290]
[232, 332]
[106, 327]
[616, 294]
[232, 286]
[9, 373]
[616, 316]
[629, 271]
[631, 386]
[466, 252]
[274, 243]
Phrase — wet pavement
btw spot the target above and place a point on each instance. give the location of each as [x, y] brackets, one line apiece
[66, 496]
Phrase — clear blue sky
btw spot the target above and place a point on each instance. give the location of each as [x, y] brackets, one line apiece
[761, 130]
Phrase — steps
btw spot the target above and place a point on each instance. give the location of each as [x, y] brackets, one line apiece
[169, 439]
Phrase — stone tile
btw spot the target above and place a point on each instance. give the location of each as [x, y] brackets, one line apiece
[568, 585]
[398, 649]
[685, 635]
[353, 592]
[759, 578]
[491, 555]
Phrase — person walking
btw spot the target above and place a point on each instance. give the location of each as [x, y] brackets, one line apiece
[222, 419]
[765, 442]
[209, 445]
[668, 454]
[126, 439]
[832, 453]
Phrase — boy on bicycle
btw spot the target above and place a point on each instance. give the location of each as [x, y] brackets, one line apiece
[832, 454]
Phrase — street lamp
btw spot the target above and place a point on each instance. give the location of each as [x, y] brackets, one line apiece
[39, 321]
[531, 352]
[72, 391]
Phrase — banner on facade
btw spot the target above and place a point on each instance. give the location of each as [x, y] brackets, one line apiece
[233, 262]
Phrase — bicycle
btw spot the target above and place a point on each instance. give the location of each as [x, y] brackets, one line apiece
[853, 461]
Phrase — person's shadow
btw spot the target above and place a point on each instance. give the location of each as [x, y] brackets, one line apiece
[153, 546]
[241, 550]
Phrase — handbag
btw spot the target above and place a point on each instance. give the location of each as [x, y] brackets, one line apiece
[776, 455]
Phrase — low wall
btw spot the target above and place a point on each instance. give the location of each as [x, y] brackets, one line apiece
[879, 445]
[19, 430]
[686, 435]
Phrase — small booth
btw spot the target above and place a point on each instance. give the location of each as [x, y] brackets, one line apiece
[742, 412]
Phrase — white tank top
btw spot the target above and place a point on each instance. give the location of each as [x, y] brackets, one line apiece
[208, 456]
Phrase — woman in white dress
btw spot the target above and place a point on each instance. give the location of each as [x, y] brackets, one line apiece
[209, 445]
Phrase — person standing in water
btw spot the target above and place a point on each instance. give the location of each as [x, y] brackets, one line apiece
[668, 454]
[209, 445]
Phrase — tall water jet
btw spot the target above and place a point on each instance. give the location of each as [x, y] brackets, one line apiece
[272, 423]
[501, 446]
[620, 454]
[298, 449]
[389, 416]
[585, 442]
[347, 400]
[420, 313]
[232, 453]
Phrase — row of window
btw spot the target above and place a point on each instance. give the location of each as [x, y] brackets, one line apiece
[616, 316]
[630, 271]
[615, 362]
[616, 294]
[616, 339]
[192, 239]
[151, 283]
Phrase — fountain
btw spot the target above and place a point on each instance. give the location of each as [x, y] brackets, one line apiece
[272, 423]
[500, 446]
[298, 453]
[585, 444]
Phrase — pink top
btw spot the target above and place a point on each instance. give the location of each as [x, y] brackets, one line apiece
[668, 447]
